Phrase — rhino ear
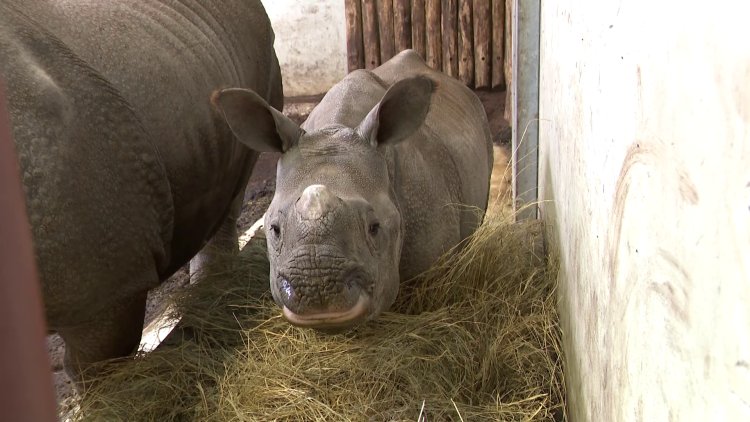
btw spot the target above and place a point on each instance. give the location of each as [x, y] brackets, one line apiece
[255, 123]
[401, 111]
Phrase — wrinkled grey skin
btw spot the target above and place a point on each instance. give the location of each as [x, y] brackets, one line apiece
[387, 174]
[128, 169]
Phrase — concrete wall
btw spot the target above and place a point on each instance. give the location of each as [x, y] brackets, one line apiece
[310, 43]
[645, 164]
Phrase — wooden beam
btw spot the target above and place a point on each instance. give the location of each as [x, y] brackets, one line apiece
[370, 35]
[434, 48]
[402, 24]
[449, 24]
[465, 43]
[482, 53]
[498, 44]
[387, 40]
[418, 28]
[355, 48]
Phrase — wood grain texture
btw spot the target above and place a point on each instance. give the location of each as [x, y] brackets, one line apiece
[434, 42]
[418, 28]
[449, 28]
[385, 20]
[355, 48]
[482, 40]
[465, 43]
[498, 44]
[371, 38]
[402, 24]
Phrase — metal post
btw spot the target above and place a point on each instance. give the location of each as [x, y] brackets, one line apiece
[525, 107]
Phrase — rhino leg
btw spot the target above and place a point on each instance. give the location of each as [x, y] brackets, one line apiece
[116, 332]
[222, 243]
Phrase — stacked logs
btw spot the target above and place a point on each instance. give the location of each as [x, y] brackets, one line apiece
[466, 39]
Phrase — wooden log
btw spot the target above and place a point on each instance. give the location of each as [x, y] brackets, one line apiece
[418, 28]
[385, 19]
[355, 48]
[449, 24]
[465, 43]
[434, 49]
[508, 61]
[402, 24]
[482, 53]
[498, 44]
[370, 36]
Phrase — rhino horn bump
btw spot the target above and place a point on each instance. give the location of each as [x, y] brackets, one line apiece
[315, 202]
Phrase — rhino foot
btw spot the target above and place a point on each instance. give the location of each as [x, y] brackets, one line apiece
[116, 332]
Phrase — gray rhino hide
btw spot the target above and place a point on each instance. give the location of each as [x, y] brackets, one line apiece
[390, 171]
[128, 169]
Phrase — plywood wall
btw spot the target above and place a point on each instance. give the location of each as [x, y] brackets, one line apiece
[645, 169]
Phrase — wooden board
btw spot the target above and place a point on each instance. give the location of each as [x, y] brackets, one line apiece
[449, 25]
[434, 43]
[355, 48]
[387, 39]
[370, 35]
[418, 27]
[498, 44]
[482, 40]
[465, 43]
[402, 24]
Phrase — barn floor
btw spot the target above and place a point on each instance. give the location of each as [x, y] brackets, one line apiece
[260, 191]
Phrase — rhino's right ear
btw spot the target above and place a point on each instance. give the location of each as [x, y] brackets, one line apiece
[400, 112]
[255, 123]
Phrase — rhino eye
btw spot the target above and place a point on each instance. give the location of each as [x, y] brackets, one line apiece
[374, 228]
[276, 230]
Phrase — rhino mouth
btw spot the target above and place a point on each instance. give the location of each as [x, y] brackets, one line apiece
[331, 320]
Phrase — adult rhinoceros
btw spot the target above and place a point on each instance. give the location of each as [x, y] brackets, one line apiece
[387, 173]
[128, 170]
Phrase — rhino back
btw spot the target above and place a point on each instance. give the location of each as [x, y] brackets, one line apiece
[93, 182]
[444, 168]
[347, 102]
[457, 118]
[166, 57]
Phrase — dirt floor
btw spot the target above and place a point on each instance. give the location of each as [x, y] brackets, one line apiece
[260, 191]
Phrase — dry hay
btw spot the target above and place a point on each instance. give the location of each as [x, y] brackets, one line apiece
[476, 338]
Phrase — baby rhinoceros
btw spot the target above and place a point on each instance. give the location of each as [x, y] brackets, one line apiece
[386, 175]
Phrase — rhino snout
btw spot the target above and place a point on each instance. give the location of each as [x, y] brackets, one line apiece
[309, 304]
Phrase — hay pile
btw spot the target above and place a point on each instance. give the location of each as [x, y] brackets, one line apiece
[476, 338]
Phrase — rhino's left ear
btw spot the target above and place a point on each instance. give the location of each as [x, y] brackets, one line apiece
[401, 111]
[255, 123]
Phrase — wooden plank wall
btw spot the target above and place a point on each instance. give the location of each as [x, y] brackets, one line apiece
[466, 39]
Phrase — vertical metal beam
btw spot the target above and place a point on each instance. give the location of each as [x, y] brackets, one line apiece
[525, 111]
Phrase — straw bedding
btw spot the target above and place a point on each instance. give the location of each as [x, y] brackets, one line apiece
[475, 338]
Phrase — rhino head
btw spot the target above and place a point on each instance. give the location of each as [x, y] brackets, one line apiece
[334, 229]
